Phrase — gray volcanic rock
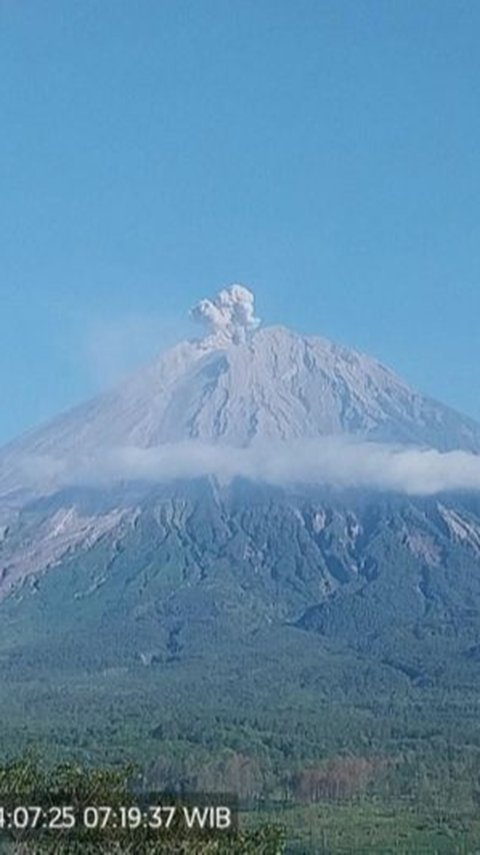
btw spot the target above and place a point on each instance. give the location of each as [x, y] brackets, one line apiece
[268, 384]
[147, 563]
[194, 566]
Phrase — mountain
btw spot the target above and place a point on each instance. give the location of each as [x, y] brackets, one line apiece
[181, 565]
[270, 384]
[190, 615]
[238, 386]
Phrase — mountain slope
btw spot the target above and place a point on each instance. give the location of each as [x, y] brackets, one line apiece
[274, 385]
[197, 621]
[239, 385]
[188, 567]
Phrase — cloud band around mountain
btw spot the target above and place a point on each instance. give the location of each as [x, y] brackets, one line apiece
[337, 462]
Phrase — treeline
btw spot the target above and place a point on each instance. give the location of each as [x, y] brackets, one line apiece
[333, 779]
[28, 782]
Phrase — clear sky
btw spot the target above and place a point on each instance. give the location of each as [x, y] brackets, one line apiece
[325, 153]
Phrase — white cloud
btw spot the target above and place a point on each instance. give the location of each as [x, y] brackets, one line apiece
[331, 461]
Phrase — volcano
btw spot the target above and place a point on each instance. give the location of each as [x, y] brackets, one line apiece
[138, 566]
[239, 386]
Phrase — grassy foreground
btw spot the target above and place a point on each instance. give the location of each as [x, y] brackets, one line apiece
[360, 829]
[366, 825]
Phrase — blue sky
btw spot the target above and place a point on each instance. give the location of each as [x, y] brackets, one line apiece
[324, 153]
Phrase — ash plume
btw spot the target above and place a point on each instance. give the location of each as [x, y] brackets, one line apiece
[230, 314]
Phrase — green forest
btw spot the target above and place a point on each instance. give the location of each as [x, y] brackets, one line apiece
[257, 644]
[354, 764]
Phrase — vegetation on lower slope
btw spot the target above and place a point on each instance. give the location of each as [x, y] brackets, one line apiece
[349, 761]
[75, 796]
[318, 655]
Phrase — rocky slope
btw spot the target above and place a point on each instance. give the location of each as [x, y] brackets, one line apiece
[146, 559]
[187, 568]
[235, 387]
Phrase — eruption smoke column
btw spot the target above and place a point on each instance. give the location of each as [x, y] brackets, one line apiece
[230, 314]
